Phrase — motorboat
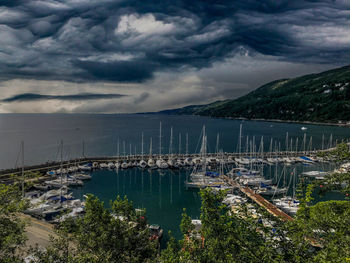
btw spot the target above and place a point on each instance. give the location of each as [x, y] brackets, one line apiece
[143, 164]
[82, 176]
[104, 165]
[85, 167]
[271, 190]
[111, 165]
[124, 165]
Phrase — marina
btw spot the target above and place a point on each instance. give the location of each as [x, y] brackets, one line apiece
[165, 175]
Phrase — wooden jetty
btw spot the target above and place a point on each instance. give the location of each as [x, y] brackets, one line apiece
[261, 201]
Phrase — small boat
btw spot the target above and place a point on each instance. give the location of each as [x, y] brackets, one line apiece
[82, 176]
[111, 165]
[314, 174]
[42, 187]
[156, 233]
[85, 167]
[124, 165]
[143, 164]
[303, 128]
[188, 161]
[271, 190]
[103, 165]
[73, 169]
[161, 164]
[51, 173]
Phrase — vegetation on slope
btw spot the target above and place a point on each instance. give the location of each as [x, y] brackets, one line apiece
[323, 97]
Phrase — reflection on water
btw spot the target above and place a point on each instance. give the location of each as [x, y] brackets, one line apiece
[154, 190]
[164, 195]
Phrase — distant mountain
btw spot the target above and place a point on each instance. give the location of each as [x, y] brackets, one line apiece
[323, 97]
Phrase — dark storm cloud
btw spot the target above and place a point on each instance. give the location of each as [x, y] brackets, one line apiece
[122, 71]
[128, 41]
[73, 97]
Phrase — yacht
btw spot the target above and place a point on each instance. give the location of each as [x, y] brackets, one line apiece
[124, 165]
[103, 165]
[81, 176]
[271, 190]
[85, 167]
[143, 164]
[111, 165]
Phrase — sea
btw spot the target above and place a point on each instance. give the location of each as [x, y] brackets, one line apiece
[162, 193]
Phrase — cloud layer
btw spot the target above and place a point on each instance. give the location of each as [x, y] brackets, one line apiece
[143, 43]
[72, 97]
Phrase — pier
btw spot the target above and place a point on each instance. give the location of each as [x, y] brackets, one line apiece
[261, 201]
[43, 168]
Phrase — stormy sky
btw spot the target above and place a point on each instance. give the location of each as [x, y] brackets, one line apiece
[107, 56]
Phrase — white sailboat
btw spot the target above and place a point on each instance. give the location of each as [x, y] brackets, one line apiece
[142, 163]
[161, 164]
[151, 163]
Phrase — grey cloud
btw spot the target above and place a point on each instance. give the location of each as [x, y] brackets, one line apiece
[48, 39]
[143, 96]
[73, 97]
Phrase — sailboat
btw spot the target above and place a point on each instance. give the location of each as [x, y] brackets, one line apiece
[289, 204]
[142, 163]
[171, 161]
[161, 164]
[151, 163]
[124, 164]
[198, 177]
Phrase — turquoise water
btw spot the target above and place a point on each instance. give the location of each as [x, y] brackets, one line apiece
[161, 193]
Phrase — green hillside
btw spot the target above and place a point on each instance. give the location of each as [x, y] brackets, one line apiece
[323, 97]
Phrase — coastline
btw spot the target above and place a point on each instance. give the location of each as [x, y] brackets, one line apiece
[346, 125]
[297, 122]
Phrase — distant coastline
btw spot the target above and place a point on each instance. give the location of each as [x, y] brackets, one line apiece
[291, 121]
[342, 124]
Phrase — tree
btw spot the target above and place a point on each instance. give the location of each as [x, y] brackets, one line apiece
[102, 235]
[224, 236]
[12, 235]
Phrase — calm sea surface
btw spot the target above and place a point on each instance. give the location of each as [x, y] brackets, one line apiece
[162, 193]
[42, 134]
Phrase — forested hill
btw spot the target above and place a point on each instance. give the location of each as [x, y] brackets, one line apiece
[323, 97]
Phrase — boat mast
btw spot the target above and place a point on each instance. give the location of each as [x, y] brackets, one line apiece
[322, 142]
[61, 168]
[124, 149]
[118, 152]
[83, 148]
[246, 146]
[186, 143]
[150, 148]
[171, 142]
[296, 145]
[179, 143]
[203, 150]
[22, 151]
[142, 146]
[130, 150]
[160, 140]
[240, 139]
[217, 143]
